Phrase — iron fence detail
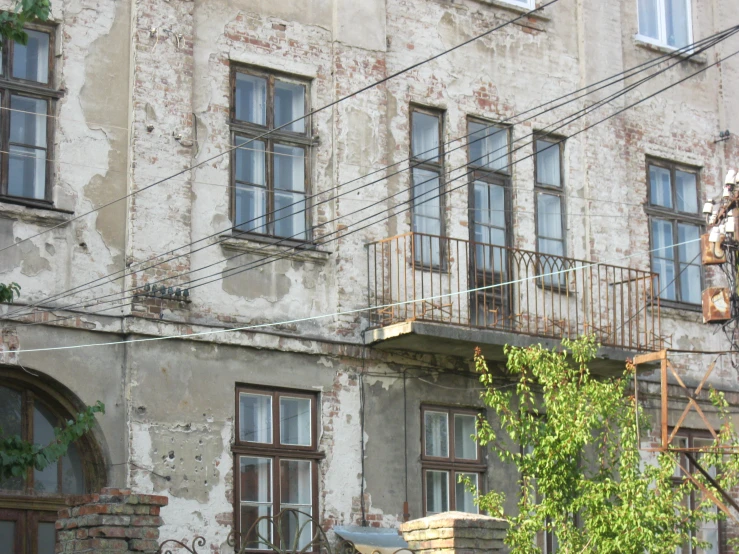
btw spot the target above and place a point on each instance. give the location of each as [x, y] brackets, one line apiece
[461, 282]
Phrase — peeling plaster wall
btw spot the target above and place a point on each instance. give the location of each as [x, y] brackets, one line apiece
[147, 96]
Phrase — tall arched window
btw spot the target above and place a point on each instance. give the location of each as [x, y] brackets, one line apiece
[28, 507]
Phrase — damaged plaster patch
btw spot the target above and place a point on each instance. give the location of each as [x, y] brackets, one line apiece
[270, 282]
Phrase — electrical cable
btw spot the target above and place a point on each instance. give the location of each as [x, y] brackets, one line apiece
[289, 123]
[719, 36]
[585, 112]
[344, 312]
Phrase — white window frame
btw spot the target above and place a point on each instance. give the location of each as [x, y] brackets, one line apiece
[662, 27]
[527, 4]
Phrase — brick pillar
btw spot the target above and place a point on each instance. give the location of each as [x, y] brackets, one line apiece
[455, 533]
[115, 521]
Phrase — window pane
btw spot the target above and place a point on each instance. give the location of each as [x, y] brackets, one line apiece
[436, 426]
[250, 161]
[426, 199]
[290, 215]
[11, 425]
[549, 216]
[28, 123]
[676, 24]
[295, 482]
[649, 18]
[464, 499]
[46, 538]
[289, 106]
[7, 536]
[255, 412]
[31, 62]
[256, 536]
[687, 192]
[464, 429]
[44, 422]
[660, 186]
[289, 164]
[547, 163]
[489, 205]
[489, 146]
[690, 234]
[437, 492]
[27, 172]
[666, 271]
[690, 283]
[72, 476]
[251, 208]
[425, 133]
[256, 479]
[295, 421]
[553, 248]
[251, 99]
[295, 522]
[662, 239]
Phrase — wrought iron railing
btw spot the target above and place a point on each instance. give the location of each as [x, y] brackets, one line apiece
[460, 282]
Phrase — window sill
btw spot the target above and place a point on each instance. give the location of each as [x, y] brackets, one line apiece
[674, 306]
[266, 246]
[33, 212]
[649, 44]
[518, 10]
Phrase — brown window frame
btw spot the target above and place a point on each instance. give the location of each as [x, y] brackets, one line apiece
[553, 190]
[248, 130]
[674, 217]
[274, 450]
[451, 464]
[436, 167]
[9, 86]
[27, 507]
[690, 435]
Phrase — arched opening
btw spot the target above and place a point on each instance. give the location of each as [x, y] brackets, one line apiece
[31, 407]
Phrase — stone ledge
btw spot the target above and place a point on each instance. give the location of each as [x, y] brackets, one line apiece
[698, 58]
[281, 251]
[454, 520]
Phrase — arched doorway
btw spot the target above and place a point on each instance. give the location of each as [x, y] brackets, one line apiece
[32, 407]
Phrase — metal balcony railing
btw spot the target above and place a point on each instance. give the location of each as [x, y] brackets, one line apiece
[459, 282]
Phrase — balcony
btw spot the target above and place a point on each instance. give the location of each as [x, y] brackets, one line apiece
[443, 295]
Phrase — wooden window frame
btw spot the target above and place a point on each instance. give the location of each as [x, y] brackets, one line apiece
[450, 464]
[436, 167]
[247, 130]
[690, 435]
[274, 450]
[674, 217]
[32, 89]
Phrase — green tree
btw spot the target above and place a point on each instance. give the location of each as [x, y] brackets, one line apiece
[9, 292]
[24, 11]
[573, 439]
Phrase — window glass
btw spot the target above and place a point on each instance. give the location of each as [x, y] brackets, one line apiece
[662, 257]
[27, 165]
[547, 163]
[437, 492]
[31, 62]
[649, 18]
[488, 146]
[289, 106]
[72, 477]
[250, 161]
[296, 494]
[46, 538]
[425, 135]
[490, 226]
[436, 425]
[660, 186]
[250, 201]
[465, 446]
[289, 166]
[289, 215]
[465, 501]
[44, 422]
[687, 192]
[549, 211]
[690, 263]
[7, 536]
[295, 421]
[251, 99]
[10, 423]
[255, 424]
[676, 22]
[256, 499]
[427, 216]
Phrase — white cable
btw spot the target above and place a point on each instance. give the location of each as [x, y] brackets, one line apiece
[348, 312]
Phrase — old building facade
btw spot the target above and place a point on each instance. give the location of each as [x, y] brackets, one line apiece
[127, 216]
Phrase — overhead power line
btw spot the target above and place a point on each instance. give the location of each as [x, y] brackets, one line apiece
[253, 265]
[348, 312]
[694, 49]
[289, 123]
[717, 37]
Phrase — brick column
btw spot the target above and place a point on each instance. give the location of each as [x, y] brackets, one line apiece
[455, 533]
[115, 521]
